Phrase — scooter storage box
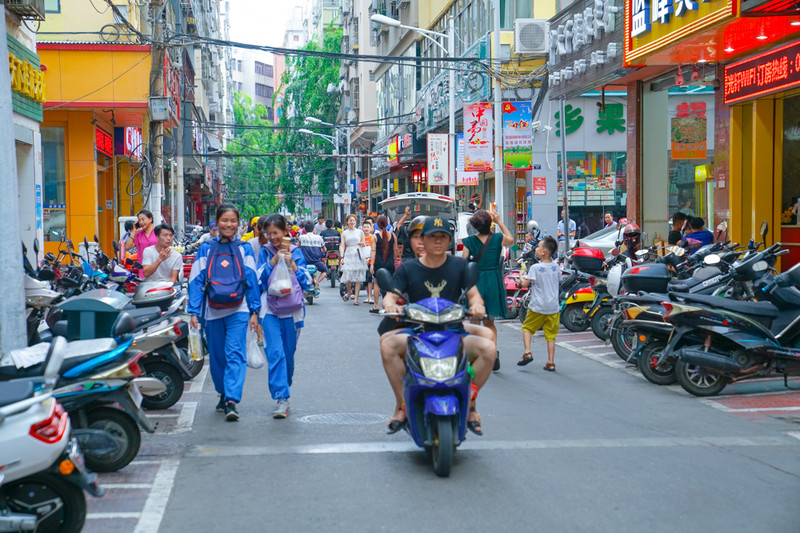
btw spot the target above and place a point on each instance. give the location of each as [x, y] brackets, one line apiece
[588, 259]
[91, 315]
[650, 277]
[154, 293]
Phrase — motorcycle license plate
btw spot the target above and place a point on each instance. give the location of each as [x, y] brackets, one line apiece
[135, 394]
[333, 262]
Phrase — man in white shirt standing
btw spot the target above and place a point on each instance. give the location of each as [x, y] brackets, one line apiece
[160, 262]
[319, 227]
[560, 233]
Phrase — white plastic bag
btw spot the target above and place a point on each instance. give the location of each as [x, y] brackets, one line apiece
[255, 351]
[280, 281]
[195, 344]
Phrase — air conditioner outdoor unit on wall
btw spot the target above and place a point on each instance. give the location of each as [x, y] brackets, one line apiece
[530, 36]
[26, 9]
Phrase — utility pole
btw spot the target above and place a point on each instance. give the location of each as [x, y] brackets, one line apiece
[565, 212]
[156, 128]
[12, 304]
[498, 118]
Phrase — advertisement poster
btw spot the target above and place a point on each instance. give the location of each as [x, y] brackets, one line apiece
[478, 137]
[517, 136]
[539, 185]
[462, 176]
[38, 206]
[438, 158]
[689, 131]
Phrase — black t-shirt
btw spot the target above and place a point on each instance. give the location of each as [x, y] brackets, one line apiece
[329, 235]
[404, 241]
[420, 282]
[673, 237]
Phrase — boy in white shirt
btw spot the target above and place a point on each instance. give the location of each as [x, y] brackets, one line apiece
[160, 262]
[544, 279]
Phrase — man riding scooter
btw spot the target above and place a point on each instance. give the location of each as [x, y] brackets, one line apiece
[441, 275]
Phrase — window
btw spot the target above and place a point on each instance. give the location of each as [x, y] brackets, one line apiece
[239, 65]
[262, 69]
[55, 183]
[791, 160]
[264, 90]
[514, 9]
[52, 6]
[354, 93]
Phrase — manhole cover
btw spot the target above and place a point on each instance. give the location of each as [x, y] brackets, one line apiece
[345, 419]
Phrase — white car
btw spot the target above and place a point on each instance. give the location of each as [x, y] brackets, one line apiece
[423, 203]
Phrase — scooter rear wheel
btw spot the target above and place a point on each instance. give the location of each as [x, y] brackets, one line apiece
[443, 446]
[698, 381]
[621, 337]
[574, 317]
[60, 505]
[601, 323]
[123, 429]
[647, 362]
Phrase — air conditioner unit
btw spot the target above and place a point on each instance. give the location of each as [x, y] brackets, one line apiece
[26, 9]
[530, 36]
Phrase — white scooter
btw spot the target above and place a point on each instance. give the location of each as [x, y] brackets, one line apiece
[42, 472]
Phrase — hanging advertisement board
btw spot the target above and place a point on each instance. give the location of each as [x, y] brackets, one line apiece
[478, 137]
[438, 157]
[462, 176]
[517, 136]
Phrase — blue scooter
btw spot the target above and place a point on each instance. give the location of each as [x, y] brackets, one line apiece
[436, 386]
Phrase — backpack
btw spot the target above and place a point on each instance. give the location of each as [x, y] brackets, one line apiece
[225, 278]
[288, 304]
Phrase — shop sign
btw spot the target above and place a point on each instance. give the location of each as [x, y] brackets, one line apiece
[539, 185]
[651, 25]
[393, 159]
[689, 131]
[133, 143]
[517, 136]
[104, 142]
[396, 184]
[767, 73]
[172, 88]
[462, 176]
[478, 137]
[364, 185]
[610, 120]
[403, 142]
[377, 186]
[26, 79]
[438, 159]
[38, 194]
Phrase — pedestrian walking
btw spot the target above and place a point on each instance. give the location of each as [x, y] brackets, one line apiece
[544, 279]
[384, 250]
[366, 251]
[223, 291]
[352, 262]
[281, 316]
[485, 248]
[143, 236]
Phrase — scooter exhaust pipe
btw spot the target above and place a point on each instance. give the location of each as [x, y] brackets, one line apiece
[712, 360]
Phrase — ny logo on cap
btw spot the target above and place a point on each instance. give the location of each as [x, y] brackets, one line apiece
[438, 222]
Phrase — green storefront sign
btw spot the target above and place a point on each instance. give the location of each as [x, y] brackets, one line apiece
[27, 80]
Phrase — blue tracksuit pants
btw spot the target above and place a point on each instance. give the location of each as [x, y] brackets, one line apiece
[227, 341]
[280, 338]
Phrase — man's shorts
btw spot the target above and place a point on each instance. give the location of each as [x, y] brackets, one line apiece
[320, 265]
[536, 321]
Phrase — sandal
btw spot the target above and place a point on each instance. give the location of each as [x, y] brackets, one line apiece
[527, 357]
[550, 367]
[345, 298]
[374, 310]
[475, 425]
[356, 303]
[369, 301]
[394, 424]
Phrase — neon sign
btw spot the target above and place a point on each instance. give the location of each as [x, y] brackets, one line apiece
[767, 73]
[104, 142]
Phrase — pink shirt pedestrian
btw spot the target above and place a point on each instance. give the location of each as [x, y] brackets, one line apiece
[142, 241]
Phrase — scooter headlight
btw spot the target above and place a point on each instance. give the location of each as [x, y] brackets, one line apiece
[418, 313]
[439, 369]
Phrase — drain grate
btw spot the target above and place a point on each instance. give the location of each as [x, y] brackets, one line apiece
[344, 419]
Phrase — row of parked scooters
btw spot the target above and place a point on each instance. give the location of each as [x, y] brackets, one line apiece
[720, 315]
[101, 350]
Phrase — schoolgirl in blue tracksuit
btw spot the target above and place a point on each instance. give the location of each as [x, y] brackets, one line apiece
[281, 331]
[226, 329]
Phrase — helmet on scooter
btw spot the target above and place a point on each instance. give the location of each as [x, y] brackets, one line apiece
[532, 227]
[416, 224]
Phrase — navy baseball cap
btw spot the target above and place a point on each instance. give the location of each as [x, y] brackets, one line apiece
[434, 224]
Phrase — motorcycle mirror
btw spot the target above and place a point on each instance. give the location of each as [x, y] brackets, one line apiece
[86, 246]
[36, 246]
[55, 357]
[615, 252]
[69, 244]
[96, 239]
[24, 249]
[712, 259]
[472, 274]
[764, 230]
[385, 280]
[641, 253]
[115, 245]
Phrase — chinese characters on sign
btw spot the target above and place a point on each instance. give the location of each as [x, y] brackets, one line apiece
[104, 142]
[478, 142]
[767, 73]
[610, 119]
[539, 185]
[688, 131]
[463, 177]
[640, 17]
[517, 136]
[438, 158]
[643, 12]
[573, 121]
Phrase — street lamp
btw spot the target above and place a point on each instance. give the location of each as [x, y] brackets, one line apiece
[451, 52]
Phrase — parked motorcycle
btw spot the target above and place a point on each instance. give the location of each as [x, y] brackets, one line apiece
[436, 385]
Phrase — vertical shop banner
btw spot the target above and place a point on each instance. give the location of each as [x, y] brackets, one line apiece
[517, 136]
[438, 158]
[478, 137]
[462, 176]
[689, 131]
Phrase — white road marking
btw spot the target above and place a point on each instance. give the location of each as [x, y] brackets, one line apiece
[601, 359]
[107, 516]
[144, 461]
[199, 380]
[163, 415]
[185, 418]
[722, 407]
[126, 485]
[156, 503]
[404, 447]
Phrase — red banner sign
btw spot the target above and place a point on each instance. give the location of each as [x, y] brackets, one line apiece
[104, 142]
[767, 73]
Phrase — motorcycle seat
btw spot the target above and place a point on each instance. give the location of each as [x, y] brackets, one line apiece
[761, 309]
[144, 315]
[15, 391]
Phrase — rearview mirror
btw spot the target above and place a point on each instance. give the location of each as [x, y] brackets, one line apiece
[36, 246]
[764, 230]
[711, 259]
[641, 253]
[96, 239]
[472, 274]
[69, 245]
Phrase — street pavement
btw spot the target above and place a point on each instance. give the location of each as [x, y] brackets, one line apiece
[591, 447]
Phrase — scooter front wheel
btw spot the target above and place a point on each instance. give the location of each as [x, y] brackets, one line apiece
[120, 427]
[443, 448]
[601, 323]
[171, 378]
[574, 317]
[59, 505]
